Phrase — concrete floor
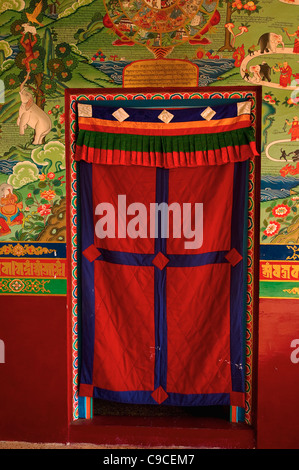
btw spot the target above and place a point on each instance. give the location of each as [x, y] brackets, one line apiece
[30, 445]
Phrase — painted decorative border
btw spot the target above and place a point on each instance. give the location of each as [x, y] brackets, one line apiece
[33, 268]
[208, 93]
[279, 271]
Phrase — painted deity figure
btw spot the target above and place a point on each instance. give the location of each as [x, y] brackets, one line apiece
[285, 74]
[296, 43]
[294, 130]
[10, 213]
[28, 40]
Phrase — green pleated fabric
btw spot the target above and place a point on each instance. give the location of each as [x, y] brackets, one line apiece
[166, 151]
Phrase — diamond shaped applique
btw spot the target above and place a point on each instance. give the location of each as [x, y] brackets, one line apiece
[120, 114]
[91, 253]
[159, 395]
[165, 116]
[237, 399]
[160, 261]
[86, 390]
[208, 113]
[84, 110]
[244, 107]
[233, 257]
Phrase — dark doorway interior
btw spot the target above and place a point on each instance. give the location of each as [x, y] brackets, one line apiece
[108, 408]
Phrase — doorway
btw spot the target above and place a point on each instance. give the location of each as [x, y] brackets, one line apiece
[190, 98]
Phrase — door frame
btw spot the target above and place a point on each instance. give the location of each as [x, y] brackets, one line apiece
[80, 408]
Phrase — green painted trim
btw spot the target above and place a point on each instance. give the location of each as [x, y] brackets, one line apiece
[279, 289]
[31, 286]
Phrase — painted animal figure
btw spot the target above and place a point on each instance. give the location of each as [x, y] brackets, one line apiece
[295, 157]
[255, 70]
[251, 50]
[265, 71]
[268, 42]
[283, 155]
[33, 116]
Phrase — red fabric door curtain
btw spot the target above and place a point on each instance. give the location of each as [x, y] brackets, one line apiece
[163, 217]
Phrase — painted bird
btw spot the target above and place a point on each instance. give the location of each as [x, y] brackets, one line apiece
[32, 16]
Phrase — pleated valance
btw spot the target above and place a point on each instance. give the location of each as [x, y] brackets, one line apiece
[166, 138]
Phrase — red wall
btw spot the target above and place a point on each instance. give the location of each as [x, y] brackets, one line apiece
[33, 390]
[34, 377]
[278, 376]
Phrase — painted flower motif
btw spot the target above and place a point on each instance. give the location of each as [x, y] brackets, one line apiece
[29, 195]
[16, 285]
[272, 228]
[281, 210]
[18, 250]
[237, 4]
[295, 198]
[267, 97]
[293, 101]
[250, 6]
[51, 175]
[48, 195]
[42, 177]
[62, 118]
[44, 209]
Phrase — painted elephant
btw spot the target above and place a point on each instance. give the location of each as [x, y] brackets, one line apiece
[256, 76]
[31, 115]
[265, 71]
[268, 42]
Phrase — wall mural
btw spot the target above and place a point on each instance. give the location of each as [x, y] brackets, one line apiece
[47, 46]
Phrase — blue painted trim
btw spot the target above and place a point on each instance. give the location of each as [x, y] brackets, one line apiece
[81, 407]
[276, 252]
[241, 414]
[60, 249]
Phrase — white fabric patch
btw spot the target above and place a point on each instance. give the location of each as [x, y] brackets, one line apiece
[244, 107]
[208, 113]
[120, 114]
[165, 116]
[84, 110]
